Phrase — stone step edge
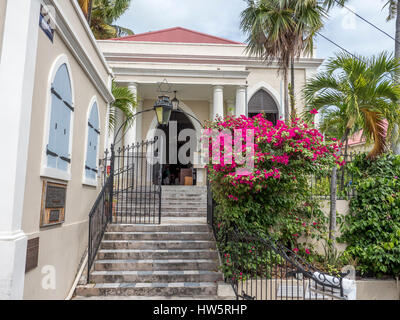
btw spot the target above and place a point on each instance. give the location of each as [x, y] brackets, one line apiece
[155, 285]
[118, 298]
[156, 232]
[159, 261]
[156, 250]
[155, 272]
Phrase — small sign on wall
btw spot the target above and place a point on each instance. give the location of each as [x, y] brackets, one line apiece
[32, 254]
[45, 22]
[53, 203]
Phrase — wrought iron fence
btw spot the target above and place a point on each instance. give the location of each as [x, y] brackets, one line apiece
[321, 185]
[130, 194]
[260, 268]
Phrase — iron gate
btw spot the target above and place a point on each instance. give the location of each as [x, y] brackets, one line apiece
[131, 192]
[137, 185]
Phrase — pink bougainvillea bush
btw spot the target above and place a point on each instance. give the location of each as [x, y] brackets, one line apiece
[269, 191]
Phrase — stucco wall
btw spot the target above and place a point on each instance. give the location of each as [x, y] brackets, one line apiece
[61, 246]
[272, 80]
[74, 17]
[342, 208]
[3, 5]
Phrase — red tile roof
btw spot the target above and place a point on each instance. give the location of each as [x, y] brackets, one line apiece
[358, 137]
[177, 35]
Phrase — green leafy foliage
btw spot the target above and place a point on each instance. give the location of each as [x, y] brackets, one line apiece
[372, 229]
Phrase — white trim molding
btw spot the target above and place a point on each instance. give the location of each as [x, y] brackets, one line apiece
[63, 27]
[45, 170]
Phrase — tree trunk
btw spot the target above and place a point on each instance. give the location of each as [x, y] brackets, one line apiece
[292, 97]
[89, 16]
[332, 211]
[286, 95]
[396, 135]
[397, 36]
[345, 159]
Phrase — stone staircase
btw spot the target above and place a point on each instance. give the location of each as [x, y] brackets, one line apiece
[174, 260]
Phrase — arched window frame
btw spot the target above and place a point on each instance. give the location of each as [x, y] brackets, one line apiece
[87, 180]
[272, 92]
[47, 171]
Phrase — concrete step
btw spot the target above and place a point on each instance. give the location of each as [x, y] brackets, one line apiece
[119, 298]
[184, 188]
[176, 198]
[158, 228]
[155, 276]
[136, 209]
[109, 254]
[151, 265]
[183, 220]
[157, 236]
[184, 214]
[148, 289]
[151, 244]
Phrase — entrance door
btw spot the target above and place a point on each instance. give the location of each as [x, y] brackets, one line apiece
[174, 172]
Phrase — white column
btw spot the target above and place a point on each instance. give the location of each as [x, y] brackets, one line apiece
[108, 134]
[240, 101]
[138, 121]
[17, 74]
[218, 99]
[130, 136]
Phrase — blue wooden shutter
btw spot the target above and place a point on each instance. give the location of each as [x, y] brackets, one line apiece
[61, 107]
[92, 143]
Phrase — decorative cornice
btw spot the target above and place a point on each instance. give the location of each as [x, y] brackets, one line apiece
[203, 59]
[82, 57]
[132, 71]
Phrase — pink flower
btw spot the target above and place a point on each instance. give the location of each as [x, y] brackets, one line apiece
[308, 251]
[314, 111]
[296, 250]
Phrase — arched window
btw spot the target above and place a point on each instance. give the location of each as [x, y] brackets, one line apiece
[58, 146]
[262, 102]
[92, 143]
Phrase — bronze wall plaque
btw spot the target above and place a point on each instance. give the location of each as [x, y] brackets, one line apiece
[54, 215]
[32, 254]
[53, 203]
[55, 196]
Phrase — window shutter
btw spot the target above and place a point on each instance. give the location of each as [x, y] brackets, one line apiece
[61, 107]
[92, 143]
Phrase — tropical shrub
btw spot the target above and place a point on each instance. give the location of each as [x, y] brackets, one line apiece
[372, 228]
[274, 197]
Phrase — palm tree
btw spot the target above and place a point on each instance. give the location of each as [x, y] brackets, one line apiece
[126, 102]
[282, 30]
[102, 14]
[362, 92]
[86, 6]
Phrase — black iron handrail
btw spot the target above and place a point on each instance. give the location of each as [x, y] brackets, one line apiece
[99, 217]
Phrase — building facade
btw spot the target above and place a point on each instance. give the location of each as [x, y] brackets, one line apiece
[55, 93]
[212, 76]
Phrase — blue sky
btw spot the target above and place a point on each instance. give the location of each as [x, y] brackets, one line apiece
[222, 18]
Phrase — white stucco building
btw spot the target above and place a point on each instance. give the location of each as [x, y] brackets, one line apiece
[55, 93]
[212, 76]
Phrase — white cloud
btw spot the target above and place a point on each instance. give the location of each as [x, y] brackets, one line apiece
[222, 18]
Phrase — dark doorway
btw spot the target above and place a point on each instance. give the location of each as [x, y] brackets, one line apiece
[174, 172]
[262, 102]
